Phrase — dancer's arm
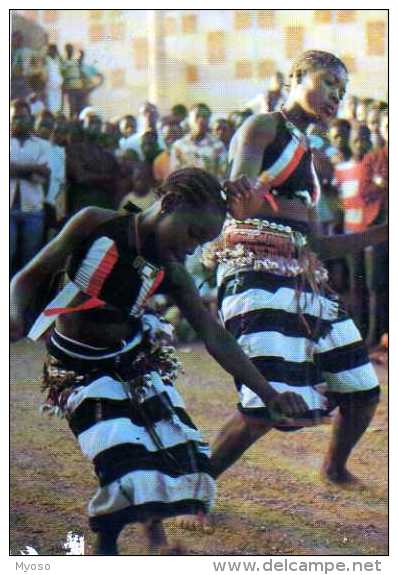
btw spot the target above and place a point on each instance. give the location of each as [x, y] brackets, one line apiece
[246, 155]
[329, 247]
[40, 270]
[222, 345]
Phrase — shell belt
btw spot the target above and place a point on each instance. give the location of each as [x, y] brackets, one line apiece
[267, 246]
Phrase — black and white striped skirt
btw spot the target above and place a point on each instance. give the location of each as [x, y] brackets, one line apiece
[302, 343]
[149, 457]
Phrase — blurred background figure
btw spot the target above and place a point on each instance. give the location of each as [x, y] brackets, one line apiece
[29, 174]
[272, 98]
[373, 123]
[91, 79]
[373, 189]
[73, 81]
[54, 79]
[200, 148]
[348, 109]
[223, 129]
[346, 181]
[148, 122]
[19, 64]
[93, 173]
[127, 129]
[171, 132]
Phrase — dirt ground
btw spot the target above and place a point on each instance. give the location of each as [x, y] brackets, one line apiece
[272, 502]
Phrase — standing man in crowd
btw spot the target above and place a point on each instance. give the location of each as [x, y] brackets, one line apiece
[149, 116]
[199, 148]
[54, 79]
[346, 180]
[73, 81]
[29, 173]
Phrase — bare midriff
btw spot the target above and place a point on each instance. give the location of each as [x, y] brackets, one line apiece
[288, 208]
[82, 326]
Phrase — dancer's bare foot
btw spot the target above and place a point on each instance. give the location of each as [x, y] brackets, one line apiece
[340, 477]
[199, 523]
[155, 534]
[173, 549]
[106, 543]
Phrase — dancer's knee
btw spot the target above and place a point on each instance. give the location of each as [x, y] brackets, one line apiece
[356, 400]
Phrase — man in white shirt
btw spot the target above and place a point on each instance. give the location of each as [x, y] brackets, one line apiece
[29, 171]
[199, 148]
[54, 79]
[149, 116]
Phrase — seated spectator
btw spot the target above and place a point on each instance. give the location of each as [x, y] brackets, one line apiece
[29, 173]
[199, 148]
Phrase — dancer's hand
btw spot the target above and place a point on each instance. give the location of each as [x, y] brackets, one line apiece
[244, 201]
[288, 404]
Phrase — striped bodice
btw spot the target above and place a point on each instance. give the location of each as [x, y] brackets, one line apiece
[106, 266]
[287, 165]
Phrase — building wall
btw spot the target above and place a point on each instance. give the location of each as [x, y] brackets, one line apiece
[223, 57]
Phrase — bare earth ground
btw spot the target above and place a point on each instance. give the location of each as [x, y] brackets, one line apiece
[271, 502]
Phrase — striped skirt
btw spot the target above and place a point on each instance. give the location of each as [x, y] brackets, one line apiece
[301, 341]
[149, 458]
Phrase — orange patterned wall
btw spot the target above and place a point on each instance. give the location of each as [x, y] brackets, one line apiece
[203, 55]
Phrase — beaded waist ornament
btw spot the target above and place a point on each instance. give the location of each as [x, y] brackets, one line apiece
[261, 245]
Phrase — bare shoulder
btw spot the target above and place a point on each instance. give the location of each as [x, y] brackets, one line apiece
[82, 224]
[260, 128]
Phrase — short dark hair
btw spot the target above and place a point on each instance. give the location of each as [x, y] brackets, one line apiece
[362, 131]
[201, 107]
[341, 123]
[313, 59]
[199, 188]
[179, 109]
[20, 103]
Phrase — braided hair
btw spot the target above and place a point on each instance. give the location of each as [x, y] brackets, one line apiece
[313, 59]
[199, 188]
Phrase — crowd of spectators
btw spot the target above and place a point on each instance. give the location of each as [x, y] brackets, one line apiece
[52, 81]
[61, 162]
